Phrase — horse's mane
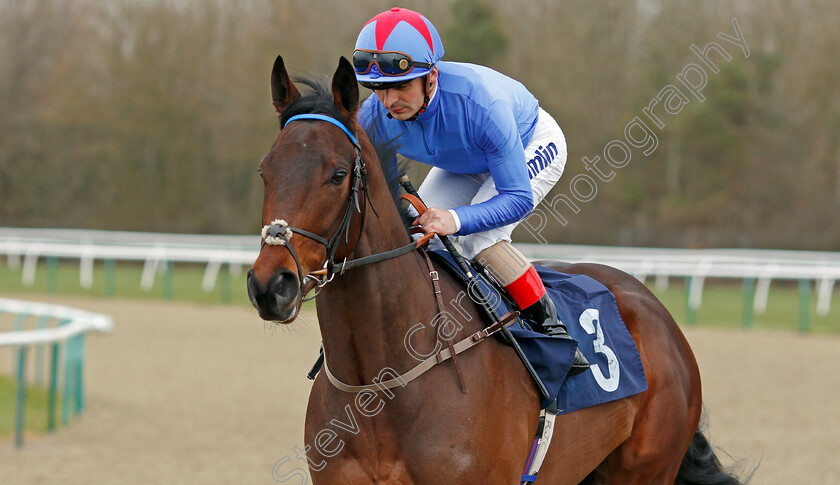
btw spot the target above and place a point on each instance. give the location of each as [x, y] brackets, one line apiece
[318, 99]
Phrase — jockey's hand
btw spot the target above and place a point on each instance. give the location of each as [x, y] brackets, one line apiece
[436, 220]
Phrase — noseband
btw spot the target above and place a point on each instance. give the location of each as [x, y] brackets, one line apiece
[279, 232]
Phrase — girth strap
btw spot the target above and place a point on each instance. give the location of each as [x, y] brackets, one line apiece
[427, 364]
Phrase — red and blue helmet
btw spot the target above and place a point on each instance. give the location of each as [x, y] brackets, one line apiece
[395, 46]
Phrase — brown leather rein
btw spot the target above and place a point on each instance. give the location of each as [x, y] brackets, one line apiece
[449, 352]
[421, 208]
[279, 233]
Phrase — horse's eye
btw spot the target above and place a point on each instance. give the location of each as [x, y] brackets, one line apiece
[338, 176]
[259, 171]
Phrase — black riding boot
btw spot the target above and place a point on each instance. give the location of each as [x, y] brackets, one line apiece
[543, 316]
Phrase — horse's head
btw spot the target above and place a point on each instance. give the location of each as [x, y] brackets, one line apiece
[315, 188]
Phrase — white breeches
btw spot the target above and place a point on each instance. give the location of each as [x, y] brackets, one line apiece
[546, 159]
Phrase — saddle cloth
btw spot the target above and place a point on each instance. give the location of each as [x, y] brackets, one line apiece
[590, 313]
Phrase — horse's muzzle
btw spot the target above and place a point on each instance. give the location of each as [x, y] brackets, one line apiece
[278, 299]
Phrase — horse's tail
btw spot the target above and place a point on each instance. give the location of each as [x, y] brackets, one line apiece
[700, 466]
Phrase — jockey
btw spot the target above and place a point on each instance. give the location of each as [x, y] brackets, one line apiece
[495, 153]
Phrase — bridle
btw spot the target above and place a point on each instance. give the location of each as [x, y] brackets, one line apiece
[279, 232]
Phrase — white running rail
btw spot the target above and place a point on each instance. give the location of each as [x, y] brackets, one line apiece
[65, 343]
[27, 246]
[78, 322]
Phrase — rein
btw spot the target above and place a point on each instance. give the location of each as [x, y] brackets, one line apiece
[279, 232]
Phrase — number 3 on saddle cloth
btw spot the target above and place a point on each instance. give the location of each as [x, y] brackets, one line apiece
[589, 311]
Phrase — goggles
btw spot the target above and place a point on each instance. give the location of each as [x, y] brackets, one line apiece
[389, 63]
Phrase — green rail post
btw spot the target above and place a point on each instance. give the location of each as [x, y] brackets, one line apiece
[20, 405]
[690, 313]
[68, 381]
[110, 277]
[168, 283]
[53, 391]
[79, 369]
[52, 274]
[39, 354]
[749, 302]
[224, 285]
[20, 323]
[804, 305]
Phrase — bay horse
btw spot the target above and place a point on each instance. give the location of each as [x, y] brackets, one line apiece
[328, 202]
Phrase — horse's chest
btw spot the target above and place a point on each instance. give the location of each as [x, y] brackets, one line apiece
[377, 456]
[424, 435]
[360, 472]
[369, 470]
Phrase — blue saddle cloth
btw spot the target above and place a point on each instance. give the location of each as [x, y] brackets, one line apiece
[590, 313]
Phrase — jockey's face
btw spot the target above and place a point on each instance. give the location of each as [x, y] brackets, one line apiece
[404, 100]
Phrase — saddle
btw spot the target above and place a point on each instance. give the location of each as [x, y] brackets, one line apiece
[549, 357]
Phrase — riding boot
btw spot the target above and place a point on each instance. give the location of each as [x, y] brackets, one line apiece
[543, 316]
[522, 283]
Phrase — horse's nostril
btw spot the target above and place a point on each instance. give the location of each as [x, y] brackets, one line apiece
[285, 287]
[277, 297]
[253, 288]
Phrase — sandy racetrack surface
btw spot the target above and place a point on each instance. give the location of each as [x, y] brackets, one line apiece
[181, 393]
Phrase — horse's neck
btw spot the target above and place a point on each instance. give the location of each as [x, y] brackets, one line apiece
[366, 313]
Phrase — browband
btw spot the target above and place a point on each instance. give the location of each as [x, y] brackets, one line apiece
[328, 120]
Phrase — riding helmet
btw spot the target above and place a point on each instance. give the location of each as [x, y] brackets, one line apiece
[403, 31]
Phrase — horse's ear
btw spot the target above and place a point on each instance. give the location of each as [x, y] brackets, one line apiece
[283, 92]
[344, 87]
